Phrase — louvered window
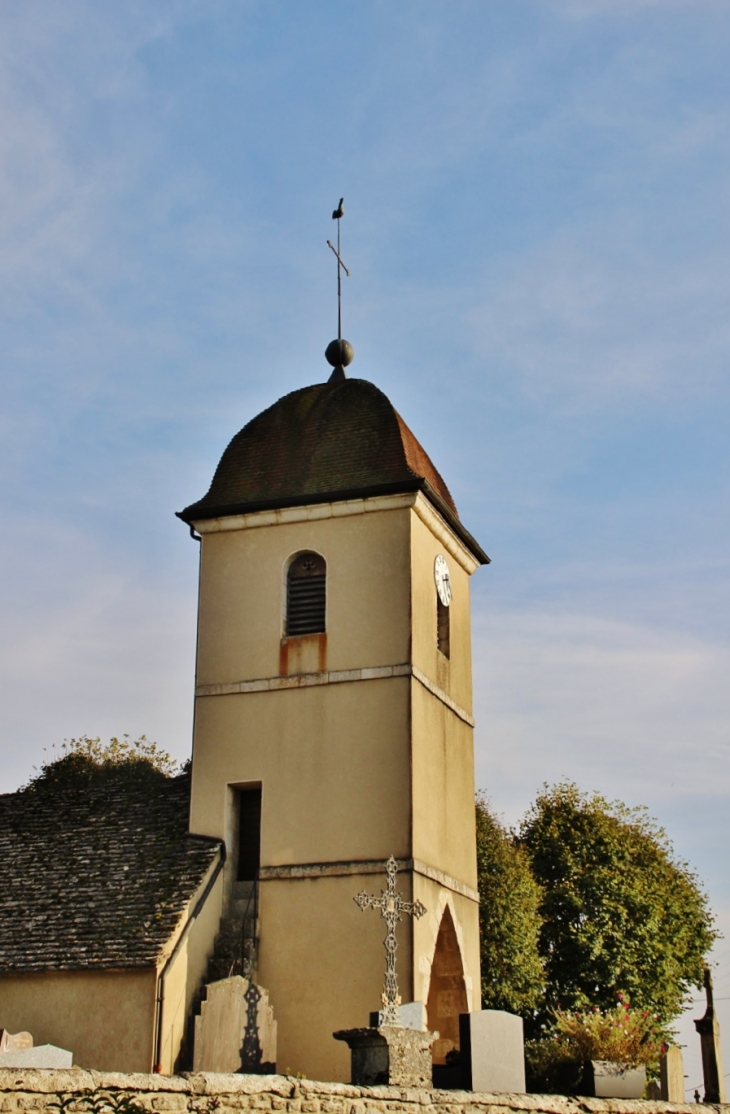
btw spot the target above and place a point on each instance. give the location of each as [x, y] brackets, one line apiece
[443, 628]
[306, 595]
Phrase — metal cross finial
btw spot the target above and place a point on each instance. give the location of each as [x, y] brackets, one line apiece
[392, 907]
[338, 215]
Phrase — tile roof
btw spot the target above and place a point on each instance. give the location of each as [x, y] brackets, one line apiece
[97, 877]
[318, 440]
[322, 443]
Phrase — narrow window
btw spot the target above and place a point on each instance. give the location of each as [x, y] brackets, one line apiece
[443, 628]
[306, 594]
[249, 834]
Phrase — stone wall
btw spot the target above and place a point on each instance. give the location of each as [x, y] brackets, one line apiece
[90, 1092]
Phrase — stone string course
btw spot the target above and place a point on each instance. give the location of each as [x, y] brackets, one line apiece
[89, 1092]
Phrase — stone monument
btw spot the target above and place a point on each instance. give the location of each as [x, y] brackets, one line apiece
[236, 1030]
[709, 1029]
[388, 1052]
[18, 1051]
[492, 1052]
[671, 1075]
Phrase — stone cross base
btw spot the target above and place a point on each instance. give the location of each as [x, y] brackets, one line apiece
[387, 1055]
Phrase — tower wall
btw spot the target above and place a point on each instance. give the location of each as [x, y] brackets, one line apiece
[361, 741]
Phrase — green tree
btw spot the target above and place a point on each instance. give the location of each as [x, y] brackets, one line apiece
[86, 761]
[512, 970]
[620, 913]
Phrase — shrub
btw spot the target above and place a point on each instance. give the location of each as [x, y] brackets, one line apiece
[88, 761]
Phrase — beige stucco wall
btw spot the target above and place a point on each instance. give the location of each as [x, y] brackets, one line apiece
[321, 959]
[105, 1018]
[331, 759]
[242, 590]
[352, 769]
[444, 825]
[185, 973]
[453, 674]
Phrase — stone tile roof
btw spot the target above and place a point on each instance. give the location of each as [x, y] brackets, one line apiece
[97, 877]
[327, 442]
[321, 440]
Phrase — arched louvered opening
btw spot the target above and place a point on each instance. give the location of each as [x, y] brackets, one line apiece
[306, 595]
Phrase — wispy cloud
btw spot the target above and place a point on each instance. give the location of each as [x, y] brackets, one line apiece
[623, 708]
[602, 321]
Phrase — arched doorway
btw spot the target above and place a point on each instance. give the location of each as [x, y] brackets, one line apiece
[447, 990]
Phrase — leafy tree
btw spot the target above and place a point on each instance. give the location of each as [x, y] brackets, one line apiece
[620, 914]
[512, 969]
[86, 761]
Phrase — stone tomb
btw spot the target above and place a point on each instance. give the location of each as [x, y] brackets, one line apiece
[236, 1030]
[492, 1052]
[389, 1055]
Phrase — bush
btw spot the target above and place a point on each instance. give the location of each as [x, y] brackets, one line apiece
[87, 761]
[556, 1063]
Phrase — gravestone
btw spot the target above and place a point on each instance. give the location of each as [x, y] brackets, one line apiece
[616, 1081]
[411, 1015]
[492, 1052]
[709, 1029]
[38, 1056]
[389, 1055]
[236, 1030]
[671, 1075]
[11, 1042]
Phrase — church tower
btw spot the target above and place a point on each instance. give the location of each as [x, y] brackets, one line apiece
[333, 711]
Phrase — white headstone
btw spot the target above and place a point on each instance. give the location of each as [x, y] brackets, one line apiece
[492, 1052]
[42, 1056]
[616, 1081]
[411, 1015]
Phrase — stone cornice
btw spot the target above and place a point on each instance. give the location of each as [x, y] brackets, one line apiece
[336, 677]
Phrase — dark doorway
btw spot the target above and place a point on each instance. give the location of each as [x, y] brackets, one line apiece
[249, 834]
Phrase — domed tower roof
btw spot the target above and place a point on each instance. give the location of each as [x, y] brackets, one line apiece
[324, 443]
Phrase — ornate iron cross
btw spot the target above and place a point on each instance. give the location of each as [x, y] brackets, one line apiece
[392, 907]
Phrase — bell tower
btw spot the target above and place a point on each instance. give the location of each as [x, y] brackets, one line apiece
[333, 711]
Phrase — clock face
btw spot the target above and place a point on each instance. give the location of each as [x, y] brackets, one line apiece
[443, 579]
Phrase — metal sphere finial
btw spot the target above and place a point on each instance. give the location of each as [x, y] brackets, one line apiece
[339, 353]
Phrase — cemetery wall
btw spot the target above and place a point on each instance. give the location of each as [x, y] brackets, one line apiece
[86, 1092]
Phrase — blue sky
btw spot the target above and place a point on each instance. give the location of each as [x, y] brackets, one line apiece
[537, 225]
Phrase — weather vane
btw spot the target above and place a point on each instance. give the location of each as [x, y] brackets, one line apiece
[339, 353]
